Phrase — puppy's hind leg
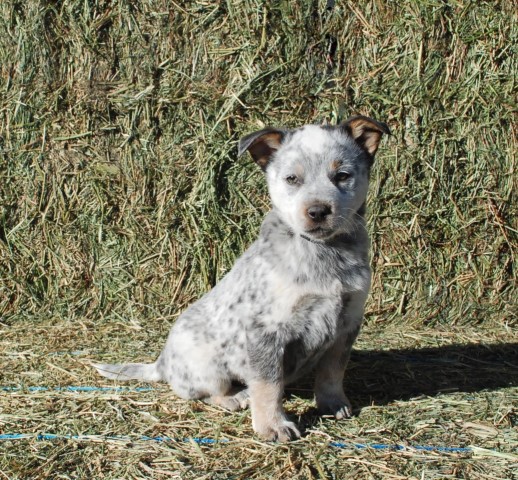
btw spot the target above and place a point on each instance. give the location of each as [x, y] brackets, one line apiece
[232, 401]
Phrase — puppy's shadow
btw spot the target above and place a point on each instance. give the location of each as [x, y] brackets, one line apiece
[379, 377]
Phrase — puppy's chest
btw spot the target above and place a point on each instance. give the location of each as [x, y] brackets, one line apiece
[289, 297]
[315, 323]
[299, 288]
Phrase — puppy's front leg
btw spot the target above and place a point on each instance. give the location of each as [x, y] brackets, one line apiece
[268, 417]
[266, 387]
[329, 390]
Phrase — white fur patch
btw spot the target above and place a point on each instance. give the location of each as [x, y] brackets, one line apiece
[313, 139]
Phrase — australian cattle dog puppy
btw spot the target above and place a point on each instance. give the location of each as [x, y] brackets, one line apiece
[294, 301]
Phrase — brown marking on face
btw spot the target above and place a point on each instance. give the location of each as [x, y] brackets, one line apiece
[299, 171]
[308, 223]
[334, 165]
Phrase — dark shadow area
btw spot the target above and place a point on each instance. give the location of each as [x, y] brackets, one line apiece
[378, 377]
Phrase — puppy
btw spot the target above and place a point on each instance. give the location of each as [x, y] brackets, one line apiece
[294, 301]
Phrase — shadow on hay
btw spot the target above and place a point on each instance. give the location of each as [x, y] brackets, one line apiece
[378, 377]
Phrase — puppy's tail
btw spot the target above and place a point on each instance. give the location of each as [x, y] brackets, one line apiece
[146, 372]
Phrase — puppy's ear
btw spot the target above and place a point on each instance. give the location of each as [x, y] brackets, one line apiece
[366, 132]
[262, 145]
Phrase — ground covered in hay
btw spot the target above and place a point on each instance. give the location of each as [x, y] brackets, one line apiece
[122, 200]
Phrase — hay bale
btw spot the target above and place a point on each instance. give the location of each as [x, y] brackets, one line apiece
[122, 200]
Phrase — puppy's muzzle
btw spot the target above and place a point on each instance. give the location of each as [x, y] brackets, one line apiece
[319, 212]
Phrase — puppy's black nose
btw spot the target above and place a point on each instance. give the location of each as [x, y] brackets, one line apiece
[318, 212]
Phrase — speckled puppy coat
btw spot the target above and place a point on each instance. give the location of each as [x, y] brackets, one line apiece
[294, 300]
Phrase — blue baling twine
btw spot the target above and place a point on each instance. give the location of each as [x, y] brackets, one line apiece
[384, 446]
[212, 441]
[144, 438]
[199, 441]
[77, 389]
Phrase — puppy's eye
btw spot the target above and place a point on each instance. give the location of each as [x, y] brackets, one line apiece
[292, 180]
[342, 177]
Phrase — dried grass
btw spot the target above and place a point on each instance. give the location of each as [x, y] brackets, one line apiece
[122, 200]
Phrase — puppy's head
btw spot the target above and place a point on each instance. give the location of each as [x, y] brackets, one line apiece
[317, 175]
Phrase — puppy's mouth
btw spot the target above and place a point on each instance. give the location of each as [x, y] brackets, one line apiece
[319, 232]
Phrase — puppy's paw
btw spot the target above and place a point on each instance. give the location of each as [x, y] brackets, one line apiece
[233, 403]
[236, 402]
[243, 399]
[337, 405]
[281, 431]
